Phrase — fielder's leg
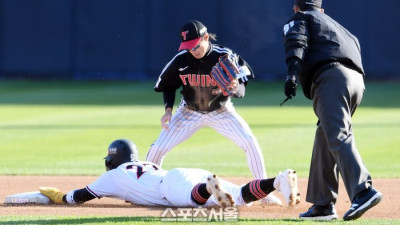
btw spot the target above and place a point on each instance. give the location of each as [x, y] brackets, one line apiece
[184, 123]
[231, 125]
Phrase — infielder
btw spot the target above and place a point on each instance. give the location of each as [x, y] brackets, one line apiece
[203, 103]
[145, 183]
[327, 60]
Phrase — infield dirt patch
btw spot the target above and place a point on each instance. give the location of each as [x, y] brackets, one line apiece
[389, 207]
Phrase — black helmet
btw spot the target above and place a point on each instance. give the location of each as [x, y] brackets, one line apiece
[120, 151]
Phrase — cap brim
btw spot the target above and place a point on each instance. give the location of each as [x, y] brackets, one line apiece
[189, 44]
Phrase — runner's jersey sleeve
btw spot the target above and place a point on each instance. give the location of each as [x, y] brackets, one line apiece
[136, 182]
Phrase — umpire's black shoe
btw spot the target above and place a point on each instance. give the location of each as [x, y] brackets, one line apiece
[318, 212]
[362, 202]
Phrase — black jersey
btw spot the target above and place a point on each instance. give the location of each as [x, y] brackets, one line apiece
[193, 75]
[317, 40]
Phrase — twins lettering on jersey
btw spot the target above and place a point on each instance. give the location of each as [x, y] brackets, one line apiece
[198, 80]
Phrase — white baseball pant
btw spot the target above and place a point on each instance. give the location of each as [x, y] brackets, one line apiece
[226, 121]
[177, 187]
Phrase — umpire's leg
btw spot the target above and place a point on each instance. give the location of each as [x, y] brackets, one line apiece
[323, 178]
[337, 93]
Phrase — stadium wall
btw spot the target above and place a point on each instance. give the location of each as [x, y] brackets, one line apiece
[135, 39]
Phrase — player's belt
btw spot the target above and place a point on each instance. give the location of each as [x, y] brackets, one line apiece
[202, 112]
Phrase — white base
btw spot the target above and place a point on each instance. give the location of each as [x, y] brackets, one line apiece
[27, 197]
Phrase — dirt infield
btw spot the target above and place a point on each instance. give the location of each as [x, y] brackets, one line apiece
[388, 208]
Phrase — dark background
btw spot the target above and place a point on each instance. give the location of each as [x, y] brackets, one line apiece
[135, 39]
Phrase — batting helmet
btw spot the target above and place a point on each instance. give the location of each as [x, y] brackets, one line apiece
[120, 151]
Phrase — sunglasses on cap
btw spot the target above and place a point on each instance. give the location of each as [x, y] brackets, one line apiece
[197, 46]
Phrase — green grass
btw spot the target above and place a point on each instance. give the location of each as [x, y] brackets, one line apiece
[153, 220]
[56, 128]
[64, 128]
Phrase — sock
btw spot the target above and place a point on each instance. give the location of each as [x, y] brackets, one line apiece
[200, 194]
[257, 189]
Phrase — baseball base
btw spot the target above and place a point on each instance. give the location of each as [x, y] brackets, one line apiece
[27, 197]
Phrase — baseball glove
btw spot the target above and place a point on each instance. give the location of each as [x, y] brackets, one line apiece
[225, 73]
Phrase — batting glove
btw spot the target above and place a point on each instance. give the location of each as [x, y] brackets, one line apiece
[53, 194]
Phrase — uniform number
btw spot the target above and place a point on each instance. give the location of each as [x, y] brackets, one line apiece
[141, 169]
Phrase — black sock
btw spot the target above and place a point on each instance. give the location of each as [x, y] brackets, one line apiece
[200, 194]
[257, 189]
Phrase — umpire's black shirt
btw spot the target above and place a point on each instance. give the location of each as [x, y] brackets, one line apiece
[317, 40]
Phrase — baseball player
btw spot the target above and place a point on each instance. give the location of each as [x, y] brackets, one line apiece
[145, 183]
[203, 103]
[326, 58]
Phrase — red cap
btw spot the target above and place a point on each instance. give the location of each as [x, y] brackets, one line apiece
[189, 44]
[191, 34]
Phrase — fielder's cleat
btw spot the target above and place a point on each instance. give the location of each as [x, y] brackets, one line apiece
[317, 212]
[271, 199]
[224, 198]
[362, 202]
[286, 184]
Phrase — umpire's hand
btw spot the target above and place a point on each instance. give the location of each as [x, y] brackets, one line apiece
[290, 86]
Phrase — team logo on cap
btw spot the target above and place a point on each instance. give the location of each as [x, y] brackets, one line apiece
[184, 34]
[112, 151]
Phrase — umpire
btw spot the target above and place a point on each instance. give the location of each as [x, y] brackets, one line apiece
[326, 59]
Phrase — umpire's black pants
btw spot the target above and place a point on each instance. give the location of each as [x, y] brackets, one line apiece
[336, 93]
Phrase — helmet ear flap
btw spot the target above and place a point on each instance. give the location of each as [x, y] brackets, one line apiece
[108, 165]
